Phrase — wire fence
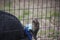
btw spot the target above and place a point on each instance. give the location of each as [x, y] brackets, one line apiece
[47, 12]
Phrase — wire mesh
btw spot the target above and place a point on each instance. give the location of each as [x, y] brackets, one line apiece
[44, 10]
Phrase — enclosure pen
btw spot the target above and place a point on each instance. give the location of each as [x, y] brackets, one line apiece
[47, 12]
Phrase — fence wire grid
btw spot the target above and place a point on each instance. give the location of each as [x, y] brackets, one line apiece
[46, 11]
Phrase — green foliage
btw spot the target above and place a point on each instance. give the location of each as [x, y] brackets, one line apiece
[55, 14]
[20, 17]
[50, 33]
[41, 32]
[6, 6]
[25, 12]
[54, 35]
[52, 14]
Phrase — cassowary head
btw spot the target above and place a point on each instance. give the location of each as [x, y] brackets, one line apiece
[35, 23]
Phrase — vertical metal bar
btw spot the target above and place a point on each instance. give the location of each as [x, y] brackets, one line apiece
[42, 10]
[24, 11]
[46, 16]
[45, 19]
[58, 22]
[19, 11]
[14, 7]
[50, 18]
[4, 5]
[28, 9]
[54, 18]
[9, 6]
[38, 10]
[33, 10]
[37, 7]
[41, 15]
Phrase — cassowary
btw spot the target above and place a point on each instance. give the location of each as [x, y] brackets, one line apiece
[35, 25]
[10, 27]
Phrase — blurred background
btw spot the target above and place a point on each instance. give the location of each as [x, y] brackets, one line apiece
[47, 12]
